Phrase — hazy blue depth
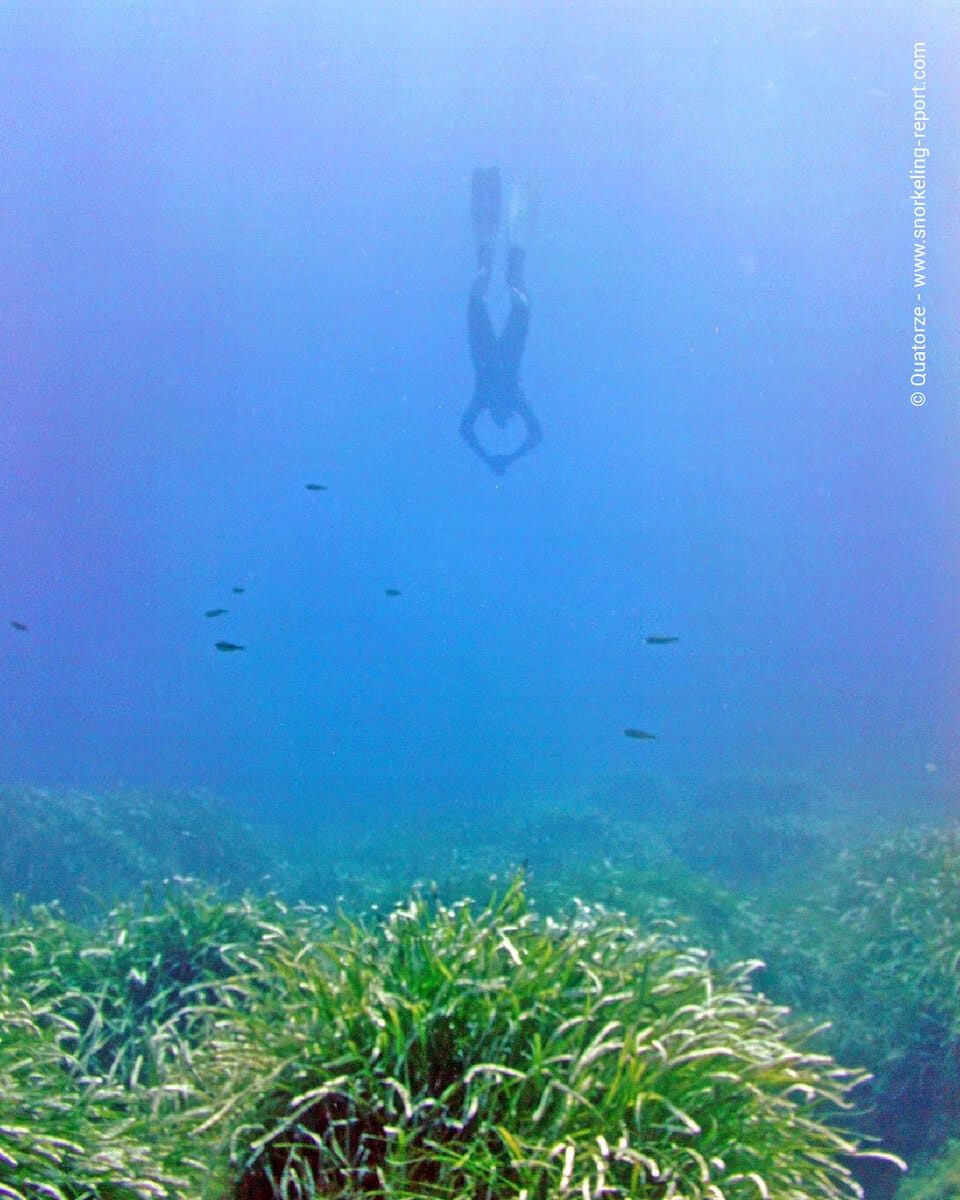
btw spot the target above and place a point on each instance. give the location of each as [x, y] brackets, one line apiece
[234, 258]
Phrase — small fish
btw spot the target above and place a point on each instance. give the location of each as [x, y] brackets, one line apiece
[657, 640]
[640, 734]
[225, 646]
[315, 487]
[391, 591]
[238, 591]
[215, 612]
[18, 625]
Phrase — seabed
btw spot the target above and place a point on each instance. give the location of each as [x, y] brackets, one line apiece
[625, 993]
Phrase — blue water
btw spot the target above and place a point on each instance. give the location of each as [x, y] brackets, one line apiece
[234, 259]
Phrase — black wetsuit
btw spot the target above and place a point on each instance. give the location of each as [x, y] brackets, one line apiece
[496, 361]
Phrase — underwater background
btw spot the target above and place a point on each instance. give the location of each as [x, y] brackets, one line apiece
[236, 254]
[268, 623]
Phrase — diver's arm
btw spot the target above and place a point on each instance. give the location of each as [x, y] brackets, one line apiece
[469, 434]
[467, 430]
[534, 434]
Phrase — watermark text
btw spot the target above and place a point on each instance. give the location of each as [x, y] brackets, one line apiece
[918, 178]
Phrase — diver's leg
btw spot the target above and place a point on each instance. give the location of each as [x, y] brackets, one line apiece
[516, 256]
[485, 216]
[483, 341]
[513, 337]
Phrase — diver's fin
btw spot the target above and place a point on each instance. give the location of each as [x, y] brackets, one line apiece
[521, 215]
[485, 204]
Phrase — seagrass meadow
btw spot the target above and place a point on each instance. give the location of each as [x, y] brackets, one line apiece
[245, 1049]
[634, 1023]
